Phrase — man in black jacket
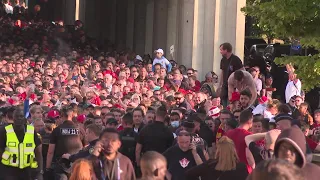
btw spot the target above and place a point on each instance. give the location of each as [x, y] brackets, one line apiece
[128, 137]
[92, 135]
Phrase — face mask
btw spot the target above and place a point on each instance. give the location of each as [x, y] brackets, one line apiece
[177, 82]
[175, 124]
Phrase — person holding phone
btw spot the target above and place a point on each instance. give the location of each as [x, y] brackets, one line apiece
[107, 162]
[183, 156]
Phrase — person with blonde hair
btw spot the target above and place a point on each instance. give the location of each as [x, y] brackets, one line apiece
[36, 113]
[153, 166]
[269, 142]
[225, 167]
[268, 108]
[82, 170]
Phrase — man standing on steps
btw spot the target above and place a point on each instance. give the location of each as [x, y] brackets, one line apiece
[229, 64]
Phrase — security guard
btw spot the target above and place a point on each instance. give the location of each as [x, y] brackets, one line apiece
[92, 136]
[21, 150]
[66, 138]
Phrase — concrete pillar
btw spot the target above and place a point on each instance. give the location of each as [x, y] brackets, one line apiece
[90, 19]
[172, 28]
[198, 35]
[139, 26]
[112, 20]
[229, 27]
[81, 10]
[149, 27]
[216, 51]
[208, 40]
[186, 16]
[105, 13]
[160, 24]
[69, 7]
[130, 24]
[121, 23]
[232, 28]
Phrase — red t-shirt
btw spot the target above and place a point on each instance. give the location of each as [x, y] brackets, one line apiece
[198, 83]
[195, 88]
[219, 134]
[238, 135]
[311, 143]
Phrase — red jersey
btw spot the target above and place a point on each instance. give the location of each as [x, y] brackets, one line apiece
[120, 128]
[195, 88]
[238, 135]
[311, 143]
[219, 134]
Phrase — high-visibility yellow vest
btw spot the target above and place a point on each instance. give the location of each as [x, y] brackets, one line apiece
[18, 154]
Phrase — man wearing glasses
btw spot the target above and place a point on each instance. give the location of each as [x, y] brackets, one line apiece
[181, 102]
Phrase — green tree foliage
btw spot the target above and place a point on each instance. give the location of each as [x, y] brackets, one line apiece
[292, 19]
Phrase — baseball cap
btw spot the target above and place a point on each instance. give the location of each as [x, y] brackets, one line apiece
[52, 114]
[139, 58]
[81, 118]
[235, 96]
[188, 124]
[112, 121]
[283, 116]
[194, 118]
[159, 51]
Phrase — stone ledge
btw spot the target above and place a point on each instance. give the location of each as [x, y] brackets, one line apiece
[316, 159]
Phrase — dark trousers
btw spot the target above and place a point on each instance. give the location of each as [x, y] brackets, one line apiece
[18, 174]
[61, 172]
[60, 176]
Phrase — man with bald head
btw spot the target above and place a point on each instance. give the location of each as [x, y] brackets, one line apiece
[20, 141]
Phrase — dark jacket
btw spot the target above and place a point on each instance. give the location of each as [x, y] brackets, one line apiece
[123, 167]
[185, 105]
[128, 143]
[85, 152]
[296, 138]
[207, 171]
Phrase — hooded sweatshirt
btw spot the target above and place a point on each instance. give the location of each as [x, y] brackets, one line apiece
[296, 138]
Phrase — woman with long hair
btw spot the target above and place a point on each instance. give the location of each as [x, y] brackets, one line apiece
[82, 170]
[265, 153]
[225, 167]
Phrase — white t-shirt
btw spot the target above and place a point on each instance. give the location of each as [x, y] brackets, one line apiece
[8, 8]
[258, 83]
[292, 89]
[163, 61]
[262, 109]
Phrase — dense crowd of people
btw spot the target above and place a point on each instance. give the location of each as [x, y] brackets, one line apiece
[76, 108]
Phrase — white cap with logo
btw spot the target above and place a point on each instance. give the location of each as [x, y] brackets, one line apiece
[159, 51]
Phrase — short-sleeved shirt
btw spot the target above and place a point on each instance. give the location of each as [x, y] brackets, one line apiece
[238, 135]
[68, 139]
[228, 66]
[155, 137]
[179, 161]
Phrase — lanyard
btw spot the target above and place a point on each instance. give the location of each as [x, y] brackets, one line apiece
[116, 163]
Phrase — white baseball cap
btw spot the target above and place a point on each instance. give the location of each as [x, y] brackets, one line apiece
[159, 51]
[139, 57]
